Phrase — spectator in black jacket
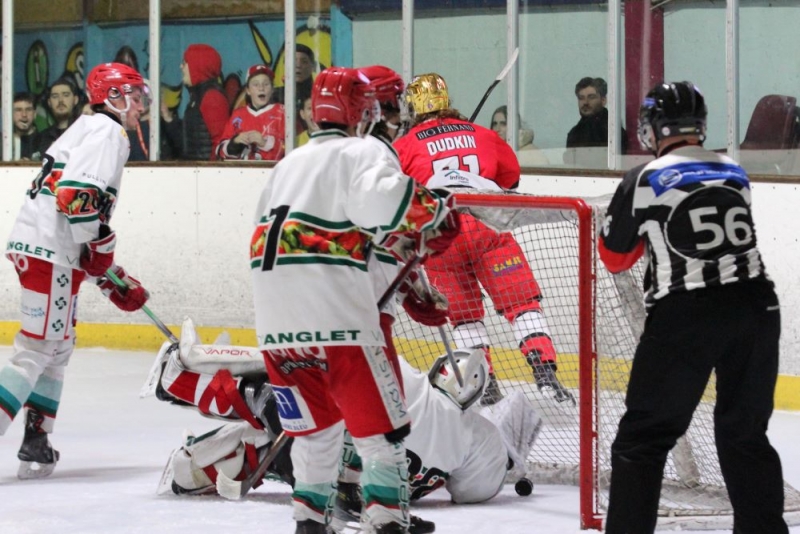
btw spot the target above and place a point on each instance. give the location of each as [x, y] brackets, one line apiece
[63, 102]
[305, 64]
[26, 136]
[592, 129]
[197, 135]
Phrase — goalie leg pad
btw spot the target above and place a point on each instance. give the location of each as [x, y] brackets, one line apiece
[519, 425]
[193, 469]
[208, 359]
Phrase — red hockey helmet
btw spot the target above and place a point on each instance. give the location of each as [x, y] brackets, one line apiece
[388, 85]
[343, 96]
[112, 80]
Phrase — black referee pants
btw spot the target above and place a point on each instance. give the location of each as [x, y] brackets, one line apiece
[734, 330]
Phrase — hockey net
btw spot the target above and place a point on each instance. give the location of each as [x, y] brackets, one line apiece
[595, 319]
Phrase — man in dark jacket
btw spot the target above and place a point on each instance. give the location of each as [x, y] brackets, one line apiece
[63, 101]
[305, 64]
[197, 135]
[26, 137]
[592, 129]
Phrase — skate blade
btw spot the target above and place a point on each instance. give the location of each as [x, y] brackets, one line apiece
[34, 470]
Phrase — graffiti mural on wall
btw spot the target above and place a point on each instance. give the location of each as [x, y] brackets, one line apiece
[49, 55]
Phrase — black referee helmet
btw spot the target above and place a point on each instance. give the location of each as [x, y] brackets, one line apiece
[671, 109]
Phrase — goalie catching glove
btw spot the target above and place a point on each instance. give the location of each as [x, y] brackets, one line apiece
[129, 298]
[98, 255]
[427, 308]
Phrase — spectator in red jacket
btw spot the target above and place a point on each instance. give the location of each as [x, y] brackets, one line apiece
[207, 112]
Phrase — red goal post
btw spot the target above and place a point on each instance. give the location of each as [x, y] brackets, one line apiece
[595, 320]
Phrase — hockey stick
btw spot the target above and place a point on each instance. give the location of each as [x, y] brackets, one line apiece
[503, 74]
[236, 489]
[399, 279]
[156, 321]
[423, 278]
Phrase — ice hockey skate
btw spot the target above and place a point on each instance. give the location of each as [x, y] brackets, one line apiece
[544, 373]
[348, 502]
[348, 509]
[37, 457]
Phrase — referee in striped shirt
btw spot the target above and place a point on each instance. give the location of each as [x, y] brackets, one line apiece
[711, 307]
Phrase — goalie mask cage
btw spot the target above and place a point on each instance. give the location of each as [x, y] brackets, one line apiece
[595, 319]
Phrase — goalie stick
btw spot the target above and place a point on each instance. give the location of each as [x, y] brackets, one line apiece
[503, 74]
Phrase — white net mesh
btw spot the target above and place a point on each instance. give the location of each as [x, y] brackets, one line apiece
[693, 493]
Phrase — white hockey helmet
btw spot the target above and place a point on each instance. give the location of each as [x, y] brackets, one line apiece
[474, 369]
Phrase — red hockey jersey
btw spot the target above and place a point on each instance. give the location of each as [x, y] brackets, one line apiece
[269, 121]
[446, 144]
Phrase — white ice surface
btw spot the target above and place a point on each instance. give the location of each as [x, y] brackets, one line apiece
[114, 446]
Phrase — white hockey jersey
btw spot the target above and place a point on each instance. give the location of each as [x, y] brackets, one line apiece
[461, 450]
[315, 216]
[85, 166]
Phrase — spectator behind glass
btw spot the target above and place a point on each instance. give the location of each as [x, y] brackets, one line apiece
[140, 135]
[304, 66]
[26, 137]
[127, 56]
[592, 128]
[309, 126]
[255, 131]
[528, 154]
[197, 135]
[63, 103]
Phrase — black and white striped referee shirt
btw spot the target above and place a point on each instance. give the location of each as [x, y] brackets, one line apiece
[692, 208]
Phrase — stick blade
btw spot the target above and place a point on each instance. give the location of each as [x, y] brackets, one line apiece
[507, 68]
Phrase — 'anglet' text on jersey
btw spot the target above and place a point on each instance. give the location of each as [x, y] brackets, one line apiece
[29, 249]
[308, 337]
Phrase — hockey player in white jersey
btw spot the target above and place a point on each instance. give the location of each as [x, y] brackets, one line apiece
[325, 345]
[62, 237]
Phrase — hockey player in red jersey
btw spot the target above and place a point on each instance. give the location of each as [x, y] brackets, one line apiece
[255, 131]
[441, 139]
[62, 237]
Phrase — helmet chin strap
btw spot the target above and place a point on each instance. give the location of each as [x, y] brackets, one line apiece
[121, 112]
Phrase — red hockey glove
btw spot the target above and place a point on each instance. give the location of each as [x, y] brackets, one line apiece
[402, 246]
[98, 255]
[130, 298]
[428, 308]
[439, 239]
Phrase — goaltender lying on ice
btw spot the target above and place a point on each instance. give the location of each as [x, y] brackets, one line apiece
[452, 444]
